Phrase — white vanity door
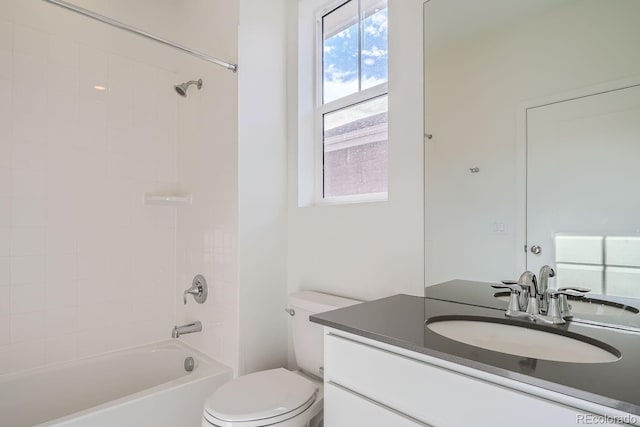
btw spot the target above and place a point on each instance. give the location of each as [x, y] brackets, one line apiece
[344, 408]
[583, 178]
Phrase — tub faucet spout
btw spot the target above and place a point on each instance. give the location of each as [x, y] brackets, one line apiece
[186, 329]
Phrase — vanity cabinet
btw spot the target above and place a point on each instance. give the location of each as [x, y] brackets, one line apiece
[377, 384]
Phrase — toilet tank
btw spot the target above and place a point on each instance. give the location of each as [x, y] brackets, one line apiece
[308, 338]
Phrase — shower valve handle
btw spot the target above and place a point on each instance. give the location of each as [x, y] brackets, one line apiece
[198, 289]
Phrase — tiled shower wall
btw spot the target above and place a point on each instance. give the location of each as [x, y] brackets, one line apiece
[86, 128]
[206, 239]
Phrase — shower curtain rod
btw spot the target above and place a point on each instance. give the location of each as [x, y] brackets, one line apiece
[129, 28]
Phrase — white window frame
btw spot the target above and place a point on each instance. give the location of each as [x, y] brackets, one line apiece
[321, 109]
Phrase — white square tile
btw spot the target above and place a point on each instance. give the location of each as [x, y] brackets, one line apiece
[585, 276]
[6, 214]
[29, 155]
[5, 271]
[30, 42]
[27, 298]
[6, 65]
[623, 251]
[27, 241]
[27, 326]
[93, 73]
[579, 249]
[61, 268]
[64, 52]
[5, 331]
[5, 244]
[29, 71]
[6, 35]
[62, 106]
[23, 128]
[64, 80]
[27, 270]
[623, 282]
[29, 102]
[6, 182]
[63, 132]
[98, 315]
[5, 301]
[6, 117]
[61, 241]
[61, 294]
[28, 183]
[62, 321]
[5, 354]
[92, 124]
[27, 355]
[61, 349]
[28, 212]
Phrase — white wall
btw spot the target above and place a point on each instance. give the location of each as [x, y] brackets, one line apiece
[473, 94]
[366, 250]
[262, 183]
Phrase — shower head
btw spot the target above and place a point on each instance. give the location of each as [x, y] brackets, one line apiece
[182, 88]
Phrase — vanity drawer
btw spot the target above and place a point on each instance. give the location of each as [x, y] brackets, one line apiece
[344, 408]
[434, 395]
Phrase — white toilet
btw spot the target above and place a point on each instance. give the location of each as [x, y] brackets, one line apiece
[279, 397]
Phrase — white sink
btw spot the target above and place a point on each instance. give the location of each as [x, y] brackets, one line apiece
[522, 341]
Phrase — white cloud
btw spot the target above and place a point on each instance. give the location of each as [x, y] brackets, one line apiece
[374, 52]
[376, 24]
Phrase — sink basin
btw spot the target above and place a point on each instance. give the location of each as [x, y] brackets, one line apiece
[590, 306]
[521, 341]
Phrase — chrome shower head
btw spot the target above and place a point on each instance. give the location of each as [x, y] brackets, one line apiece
[181, 89]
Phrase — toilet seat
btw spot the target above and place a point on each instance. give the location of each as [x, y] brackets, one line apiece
[260, 399]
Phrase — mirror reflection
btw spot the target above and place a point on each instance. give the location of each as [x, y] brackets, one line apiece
[533, 107]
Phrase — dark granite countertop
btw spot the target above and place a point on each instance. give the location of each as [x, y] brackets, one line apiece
[401, 321]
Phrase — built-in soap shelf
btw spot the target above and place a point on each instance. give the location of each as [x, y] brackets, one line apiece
[154, 199]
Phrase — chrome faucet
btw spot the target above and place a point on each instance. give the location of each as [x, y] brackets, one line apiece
[557, 310]
[543, 298]
[186, 329]
[198, 289]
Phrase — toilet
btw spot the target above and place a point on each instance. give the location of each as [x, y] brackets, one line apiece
[279, 397]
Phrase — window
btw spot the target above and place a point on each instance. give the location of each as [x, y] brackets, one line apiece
[352, 112]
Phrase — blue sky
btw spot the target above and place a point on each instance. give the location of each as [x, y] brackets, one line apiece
[341, 57]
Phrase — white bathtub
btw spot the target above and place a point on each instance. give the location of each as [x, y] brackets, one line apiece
[139, 387]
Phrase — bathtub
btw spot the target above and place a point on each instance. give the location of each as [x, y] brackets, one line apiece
[138, 387]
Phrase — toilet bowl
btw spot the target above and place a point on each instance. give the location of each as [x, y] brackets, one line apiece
[279, 397]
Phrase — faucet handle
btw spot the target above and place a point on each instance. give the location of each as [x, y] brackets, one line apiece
[554, 293]
[575, 288]
[198, 289]
[514, 302]
[565, 307]
[506, 284]
[559, 309]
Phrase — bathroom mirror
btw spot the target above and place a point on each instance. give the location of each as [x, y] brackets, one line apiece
[532, 144]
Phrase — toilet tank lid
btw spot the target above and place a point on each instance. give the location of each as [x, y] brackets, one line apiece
[318, 302]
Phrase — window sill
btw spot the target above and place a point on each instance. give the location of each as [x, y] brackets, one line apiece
[348, 200]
